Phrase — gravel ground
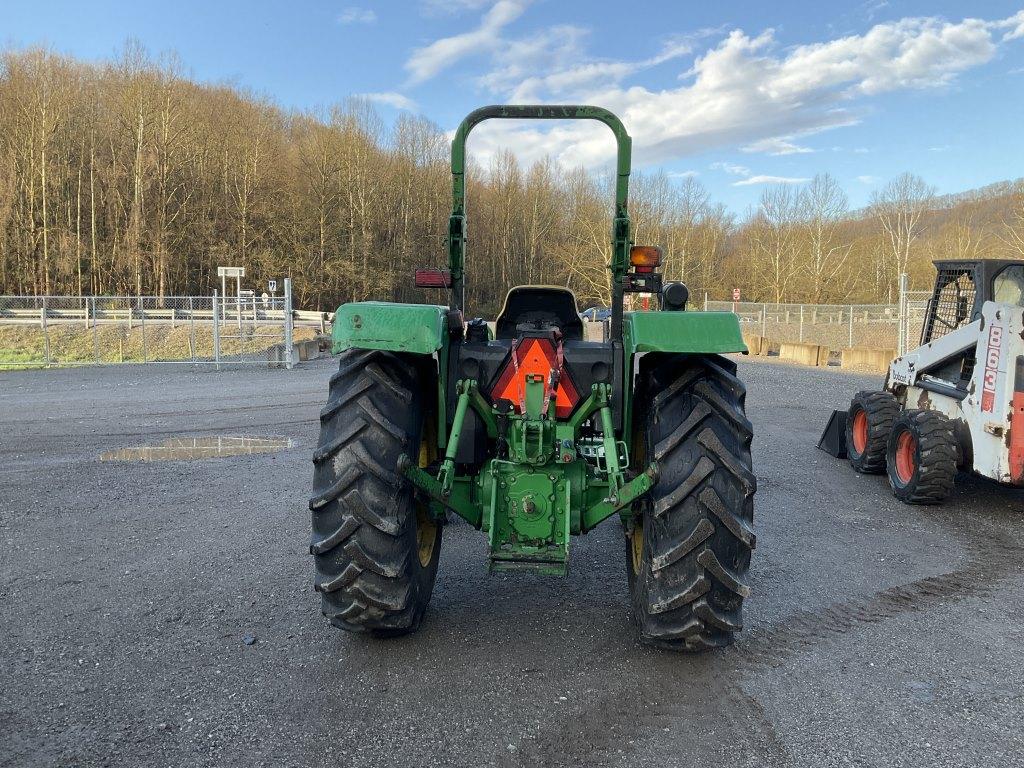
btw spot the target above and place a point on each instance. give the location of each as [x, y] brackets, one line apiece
[878, 634]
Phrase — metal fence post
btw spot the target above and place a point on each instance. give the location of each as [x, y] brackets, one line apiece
[705, 301]
[216, 333]
[764, 320]
[95, 333]
[46, 333]
[192, 329]
[142, 328]
[851, 326]
[288, 319]
[801, 322]
[901, 334]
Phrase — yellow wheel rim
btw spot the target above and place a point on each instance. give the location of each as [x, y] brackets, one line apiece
[636, 545]
[636, 536]
[426, 526]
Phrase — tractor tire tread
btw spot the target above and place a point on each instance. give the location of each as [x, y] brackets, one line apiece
[698, 529]
[368, 572]
[936, 473]
[881, 409]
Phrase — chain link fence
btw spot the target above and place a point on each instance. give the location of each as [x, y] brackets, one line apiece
[37, 331]
[837, 326]
[913, 313]
[833, 325]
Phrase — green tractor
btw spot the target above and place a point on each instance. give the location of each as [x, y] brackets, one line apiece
[533, 435]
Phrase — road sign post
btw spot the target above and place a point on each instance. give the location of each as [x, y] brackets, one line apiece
[224, 273]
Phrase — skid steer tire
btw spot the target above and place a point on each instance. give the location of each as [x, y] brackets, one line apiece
[375, 546]
[868, 424]
[921, 457]
[688, 551]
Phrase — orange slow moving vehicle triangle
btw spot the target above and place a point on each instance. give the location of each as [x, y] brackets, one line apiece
[534, 356]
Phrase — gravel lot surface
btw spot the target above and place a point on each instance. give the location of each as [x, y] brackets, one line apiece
[162, 614]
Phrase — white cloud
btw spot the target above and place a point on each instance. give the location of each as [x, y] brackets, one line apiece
[731, 168]
[1015, 25]
[872, 8]
[427, 62]
[941, 148]
[682, 174]
[392, 99]
[354, 15]
[868, 179]
[451, 7]
[769, 180]
[745, 91]
[777, 145]
[909, 53]
[553, 62]
[861, 150]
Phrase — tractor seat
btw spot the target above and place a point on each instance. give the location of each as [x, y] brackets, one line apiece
[539, 305]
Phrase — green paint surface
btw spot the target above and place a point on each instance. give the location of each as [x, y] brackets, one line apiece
[416, 328]
[692, 332]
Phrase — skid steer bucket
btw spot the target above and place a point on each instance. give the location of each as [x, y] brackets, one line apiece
[833, 439]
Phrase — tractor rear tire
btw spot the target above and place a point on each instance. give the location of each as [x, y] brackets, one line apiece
[921, 457]
[689, 550]
[868, 424]
[375, 547]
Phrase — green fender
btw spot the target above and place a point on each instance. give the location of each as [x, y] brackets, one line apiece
[690, 332]
[696, 333]
[421, 329]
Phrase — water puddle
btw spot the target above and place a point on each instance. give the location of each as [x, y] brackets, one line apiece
[191, 448]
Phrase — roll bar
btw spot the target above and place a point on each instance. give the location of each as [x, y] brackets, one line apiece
[621, 235]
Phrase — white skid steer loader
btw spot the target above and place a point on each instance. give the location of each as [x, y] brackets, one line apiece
[954, 402]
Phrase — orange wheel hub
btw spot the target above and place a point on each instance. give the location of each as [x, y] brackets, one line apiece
[860, 432]
[906, 459]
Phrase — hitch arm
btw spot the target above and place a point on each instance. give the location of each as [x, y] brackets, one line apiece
[440, 488]
[446, 475]
[620, 498]
[431, 486]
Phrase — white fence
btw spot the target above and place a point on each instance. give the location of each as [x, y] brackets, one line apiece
[838, 326]
[197, 330]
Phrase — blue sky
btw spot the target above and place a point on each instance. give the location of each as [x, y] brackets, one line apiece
[739, 95]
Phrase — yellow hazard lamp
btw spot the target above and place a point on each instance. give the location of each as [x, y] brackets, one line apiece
[645, 258]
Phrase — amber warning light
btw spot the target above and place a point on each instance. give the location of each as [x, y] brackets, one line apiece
[645, 258]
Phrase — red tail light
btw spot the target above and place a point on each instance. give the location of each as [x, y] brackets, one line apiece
[433, 278]
[534, 357]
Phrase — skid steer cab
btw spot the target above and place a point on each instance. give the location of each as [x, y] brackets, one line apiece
[533, 434]
[955, 402]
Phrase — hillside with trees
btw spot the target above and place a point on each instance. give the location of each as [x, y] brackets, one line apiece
[130, 178]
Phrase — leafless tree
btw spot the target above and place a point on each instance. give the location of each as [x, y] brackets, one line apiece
[823, 206]
[900, 207]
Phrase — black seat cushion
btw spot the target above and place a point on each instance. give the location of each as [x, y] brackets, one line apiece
[539, 305]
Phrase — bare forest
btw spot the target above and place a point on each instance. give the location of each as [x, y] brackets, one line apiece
[130, 178]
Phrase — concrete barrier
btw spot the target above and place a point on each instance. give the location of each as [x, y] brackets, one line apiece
[757, 345]
[867, 358]
[805, 354]
[307, 350]
[303, 351]
[593, 331]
